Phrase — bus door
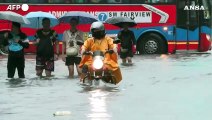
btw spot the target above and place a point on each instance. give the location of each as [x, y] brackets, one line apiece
[187, 28]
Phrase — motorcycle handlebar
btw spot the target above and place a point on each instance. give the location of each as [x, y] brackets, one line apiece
[91, 53]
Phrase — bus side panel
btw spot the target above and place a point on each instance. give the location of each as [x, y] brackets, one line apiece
[187, 39]
[205, 44]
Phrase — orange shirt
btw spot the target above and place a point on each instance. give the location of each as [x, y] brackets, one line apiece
[104, 44]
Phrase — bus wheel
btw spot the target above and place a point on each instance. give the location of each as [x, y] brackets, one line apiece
[152, 44]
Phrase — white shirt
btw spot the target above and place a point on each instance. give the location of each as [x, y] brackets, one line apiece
[69, 36]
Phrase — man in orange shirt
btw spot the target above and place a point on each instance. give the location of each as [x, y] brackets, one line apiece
[102, 43]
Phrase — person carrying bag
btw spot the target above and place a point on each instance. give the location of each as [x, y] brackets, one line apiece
[72, 55]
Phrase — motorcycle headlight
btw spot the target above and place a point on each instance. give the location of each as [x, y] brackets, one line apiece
[97, 64]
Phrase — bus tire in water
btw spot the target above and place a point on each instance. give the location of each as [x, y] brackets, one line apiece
[152, 44]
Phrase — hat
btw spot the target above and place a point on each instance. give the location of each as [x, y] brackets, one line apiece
[16, 24]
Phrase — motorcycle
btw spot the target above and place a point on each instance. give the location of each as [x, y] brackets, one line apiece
[97, 71]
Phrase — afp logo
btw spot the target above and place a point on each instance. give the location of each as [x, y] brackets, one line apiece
[24, 7]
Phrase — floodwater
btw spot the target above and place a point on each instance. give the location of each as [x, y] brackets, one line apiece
[156, 87]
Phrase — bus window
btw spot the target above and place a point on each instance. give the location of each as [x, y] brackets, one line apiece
[181, 14]
[55, 1]
[13, 1]
[116, 1]
[96, 1]
[193, 13]
[36, 1]
[78, 1]
[160, 1]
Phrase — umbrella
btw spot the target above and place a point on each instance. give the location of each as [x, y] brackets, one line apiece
[36, 18]
[83, 17]
[12, 16]
[119, 21]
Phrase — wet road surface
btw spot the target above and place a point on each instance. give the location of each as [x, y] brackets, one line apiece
[156, 87]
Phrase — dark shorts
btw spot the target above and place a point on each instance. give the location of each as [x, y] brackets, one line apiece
[44, 63]
[73, 60]
[124, 55]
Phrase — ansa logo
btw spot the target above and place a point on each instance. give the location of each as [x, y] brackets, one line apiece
[24, 7]
[194, 7]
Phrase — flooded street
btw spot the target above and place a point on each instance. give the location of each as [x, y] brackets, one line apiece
[156, 87]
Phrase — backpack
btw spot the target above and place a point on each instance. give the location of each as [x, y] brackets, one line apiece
[73, 48]
[45, 47]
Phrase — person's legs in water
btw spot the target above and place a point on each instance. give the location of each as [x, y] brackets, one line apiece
[48, 73]
[20, 67]
[71, 71]
[11, 66]
[129, 56]
[39, 72]
[129, 60]
[70, 64]
[84, 72]
[79, 70]
[124, 61]
[77, 62]
[39, 66]
[123, 56]
[49, 66]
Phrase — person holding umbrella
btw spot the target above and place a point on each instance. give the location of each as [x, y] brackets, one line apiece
[72, 56]
[46, 38]
[72, 37]
[126, 36]
[127, 41]
[16, 41]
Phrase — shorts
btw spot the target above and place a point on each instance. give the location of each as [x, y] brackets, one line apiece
[44, 63]
[73, 60]
[124, 55]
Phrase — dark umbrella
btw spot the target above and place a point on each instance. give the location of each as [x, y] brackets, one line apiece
[119, 21]
[83, 17]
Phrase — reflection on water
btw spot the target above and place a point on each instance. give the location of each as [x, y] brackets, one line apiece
[99, 97]
[15, 83]
[98, 105]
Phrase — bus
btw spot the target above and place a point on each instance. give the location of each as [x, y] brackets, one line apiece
[163, 26]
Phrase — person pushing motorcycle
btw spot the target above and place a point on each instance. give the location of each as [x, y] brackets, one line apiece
[103, 43]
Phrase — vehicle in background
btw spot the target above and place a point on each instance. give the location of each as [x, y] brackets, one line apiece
[164, 26]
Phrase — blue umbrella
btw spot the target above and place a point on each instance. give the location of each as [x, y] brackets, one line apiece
[83, 17]
[36, 18]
